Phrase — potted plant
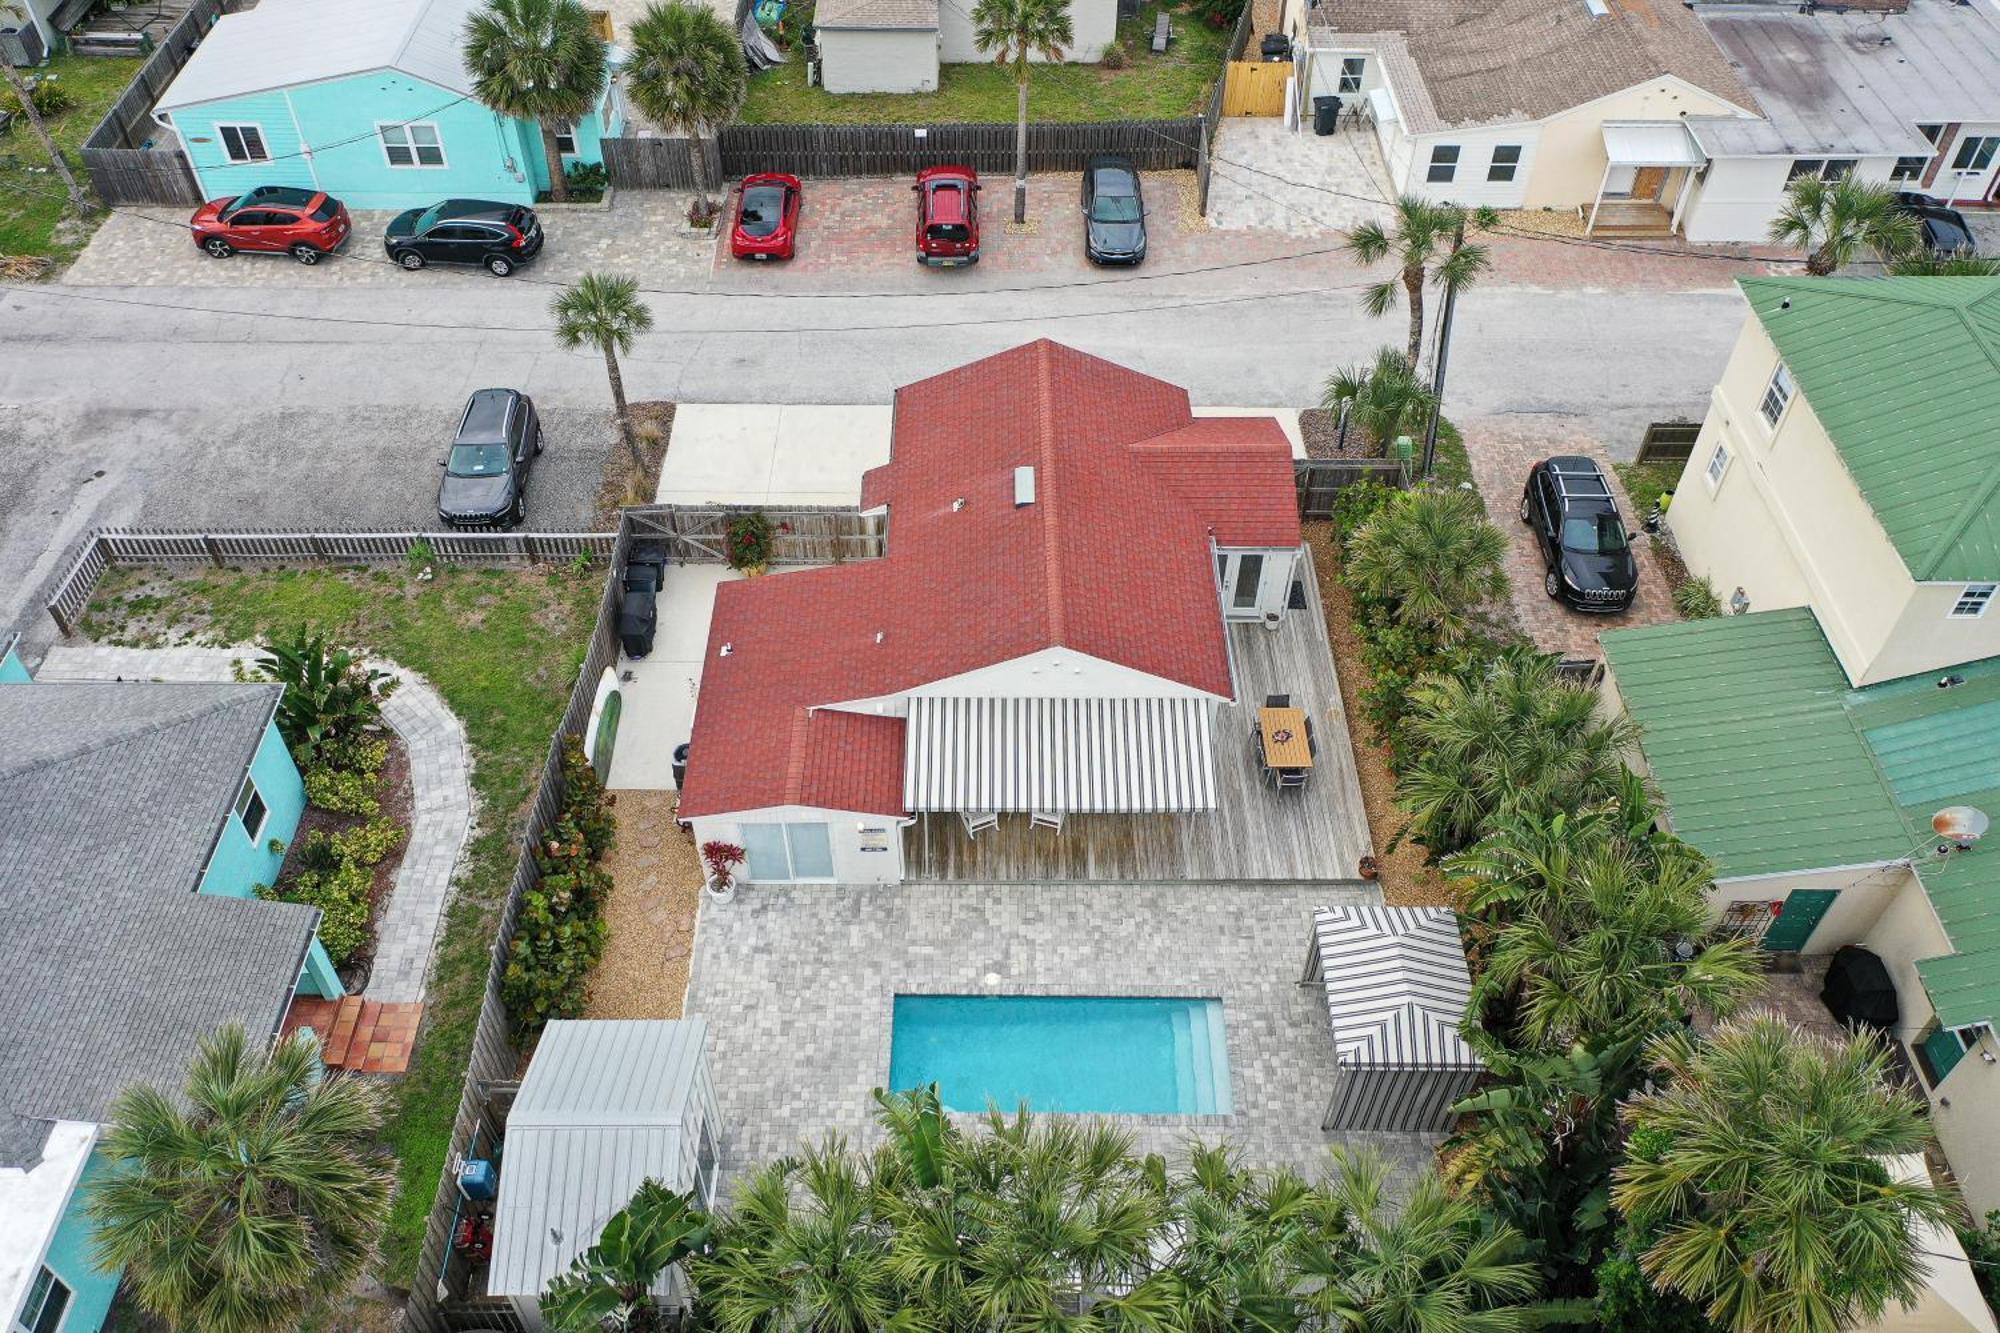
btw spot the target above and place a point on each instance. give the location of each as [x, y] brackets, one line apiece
[722, 859]
[748, 540]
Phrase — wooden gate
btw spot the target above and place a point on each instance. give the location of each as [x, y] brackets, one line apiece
[1256, 88]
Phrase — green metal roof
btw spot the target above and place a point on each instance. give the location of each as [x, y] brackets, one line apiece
[1769, 762]
[1904, 373]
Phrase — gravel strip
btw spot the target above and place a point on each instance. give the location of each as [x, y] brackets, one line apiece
[655, 894]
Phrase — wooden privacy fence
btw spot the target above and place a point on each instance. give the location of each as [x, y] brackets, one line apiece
[1319, 481]
[105, 547]
[694, 534]
[655, 162]
[1255, 88]
[1669, 441]
[903, 150]
[121, 170]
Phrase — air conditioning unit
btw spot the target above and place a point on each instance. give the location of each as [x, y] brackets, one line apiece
[22, 46]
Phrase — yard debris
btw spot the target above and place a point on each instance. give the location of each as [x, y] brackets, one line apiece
[25, 268]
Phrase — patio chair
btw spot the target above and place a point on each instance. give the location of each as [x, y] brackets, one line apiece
[1312, 741]
[1048, 819]
[978, 821]
[1277, 701]
[1289, 778]
[1163, 33]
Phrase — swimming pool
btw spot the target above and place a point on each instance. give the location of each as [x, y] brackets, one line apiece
[1109, 1055]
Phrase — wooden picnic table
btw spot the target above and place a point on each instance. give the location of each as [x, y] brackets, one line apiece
[1286, 744]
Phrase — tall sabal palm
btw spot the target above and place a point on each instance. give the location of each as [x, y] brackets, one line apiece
[1382, 399]
[541, 61]
[686, 72]
[78, 200]
[1756, 1178]
[611, 1285]
[1238, 1241]
[604, 311]
[1016, 31]
[1512, 739]
[1833, 221]
[1434, 558]
[260, 1198]
[1426, 242]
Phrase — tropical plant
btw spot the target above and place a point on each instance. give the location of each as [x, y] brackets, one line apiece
[32, 110]
[604, 311]
[1016, 31]
[560, 934]
[686, 72]
[1241, 1240]
[722, 859]
[611, 1285]
[1434, 557]
[1982, 1249]
[257, 1192]
[332, 699]
[1384, 400]
[1513, 738]
[1426, 241]
[1833, 221]
[748, 540]
[1695, 599]
[1961, 265]
[540, 61]
[1756, 1178]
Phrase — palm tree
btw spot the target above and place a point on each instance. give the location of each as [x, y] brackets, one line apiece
[610, 1285]
[1238, 1241]
[1381, 398]
[1016, 31]
[1427, 244]
[604, 311]
[537, 60]
[1834, 220]
[262, 1197]
[1756, 1178]
[78, 200]
[686, 73]
[1432, 555]
[1513, 739]
[1960, 265]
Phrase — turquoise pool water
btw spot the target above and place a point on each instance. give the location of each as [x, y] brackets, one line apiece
[1108, 1055]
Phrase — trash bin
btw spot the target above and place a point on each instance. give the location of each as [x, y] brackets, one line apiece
[1326, 115]
[1275, 47]
[680, 764]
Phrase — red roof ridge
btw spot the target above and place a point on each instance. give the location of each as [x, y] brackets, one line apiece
[1045, 494]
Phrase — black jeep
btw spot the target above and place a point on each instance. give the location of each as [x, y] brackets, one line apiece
[1585, 549]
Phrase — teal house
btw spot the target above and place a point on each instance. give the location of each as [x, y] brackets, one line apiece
[368, 100]
[136, 823]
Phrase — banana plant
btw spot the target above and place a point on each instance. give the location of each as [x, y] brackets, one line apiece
[611, 1287]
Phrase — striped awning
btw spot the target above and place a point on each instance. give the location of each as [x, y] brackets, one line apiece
[1070, 756]
[1397, 986]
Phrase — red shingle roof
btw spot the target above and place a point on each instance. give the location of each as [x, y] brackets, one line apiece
[1111, 559]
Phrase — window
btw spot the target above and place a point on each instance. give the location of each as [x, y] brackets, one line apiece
[1931, 132]
[1971, 603]
[1249, 573]
[1352, 70]
[1909, 168]
[566, 140]
[1975, 152]
[704, 1166]
[1804, 166]
[1444, 163]
[413, 145]
[776, 852]
[1839, 168]
[1776, 394]
[1718, 463]
[250, 808]
[243, 143]
[1506, 158]
[48, 1300]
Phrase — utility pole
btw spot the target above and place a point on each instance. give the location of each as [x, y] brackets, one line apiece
[78, 200]
[1437, 372]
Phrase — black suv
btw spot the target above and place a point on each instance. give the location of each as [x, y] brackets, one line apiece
[497, 237]
[1584, 547]
[486, 477]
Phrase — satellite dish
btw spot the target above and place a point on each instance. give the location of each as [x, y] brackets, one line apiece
[1962, 824]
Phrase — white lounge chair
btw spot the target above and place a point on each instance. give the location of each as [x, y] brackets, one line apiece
[978, 821]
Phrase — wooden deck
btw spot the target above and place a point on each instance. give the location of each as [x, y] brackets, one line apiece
[1632, 217]
[1256, 833]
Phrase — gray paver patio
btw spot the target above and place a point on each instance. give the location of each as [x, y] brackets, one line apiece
[798, 983]
[440, 793]
[1339, 178]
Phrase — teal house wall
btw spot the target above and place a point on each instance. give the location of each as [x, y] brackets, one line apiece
[69, 1257]
[12, 670]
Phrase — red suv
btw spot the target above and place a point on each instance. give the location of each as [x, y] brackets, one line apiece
[947, 216]
[273, 219]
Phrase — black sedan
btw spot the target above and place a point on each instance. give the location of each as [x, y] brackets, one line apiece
[497, 237]
[1114, 212]
[1945, 232]
[486, 475]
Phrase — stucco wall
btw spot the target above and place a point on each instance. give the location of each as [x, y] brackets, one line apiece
[70, 1258]
[1865, 894]
[1965, 1115]
[1469, 184]
[858, 60]
[1572, 158]
[1093, 24]
[847, 830]
[241, 863]
[1738, 196]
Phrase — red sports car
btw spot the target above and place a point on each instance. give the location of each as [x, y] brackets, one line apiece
[273, 219]
[947, 216]
[767, 217]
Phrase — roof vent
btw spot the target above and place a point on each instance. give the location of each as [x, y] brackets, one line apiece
[879, 636]
[1948, 682]
[958, 504]
[1024, 486]
[727, 649]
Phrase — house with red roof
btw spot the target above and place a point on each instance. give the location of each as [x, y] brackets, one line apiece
[1047, 634]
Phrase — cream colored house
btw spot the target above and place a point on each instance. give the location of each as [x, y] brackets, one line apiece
[897, 46]
[1844, 499]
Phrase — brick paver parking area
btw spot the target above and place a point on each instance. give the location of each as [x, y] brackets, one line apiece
[1502, 452]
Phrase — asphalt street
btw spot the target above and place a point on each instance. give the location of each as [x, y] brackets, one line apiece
[294, 406]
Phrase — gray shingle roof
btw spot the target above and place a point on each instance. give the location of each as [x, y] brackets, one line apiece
[111, 965]
[914, 14]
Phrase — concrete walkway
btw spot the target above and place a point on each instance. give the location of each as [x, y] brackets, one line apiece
[440, 792]
[1267, 177]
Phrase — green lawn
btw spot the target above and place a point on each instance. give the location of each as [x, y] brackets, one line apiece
[32, 201]
[1150, 87]
[1645, 482]
[503, 647]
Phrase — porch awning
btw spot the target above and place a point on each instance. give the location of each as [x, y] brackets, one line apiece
[1074, 756]
[1650, 144]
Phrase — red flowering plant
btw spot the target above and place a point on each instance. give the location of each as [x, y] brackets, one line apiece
[722, 858]
[748, 540]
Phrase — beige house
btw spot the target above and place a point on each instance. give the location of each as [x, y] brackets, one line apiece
[1830, 744]
[897, 46]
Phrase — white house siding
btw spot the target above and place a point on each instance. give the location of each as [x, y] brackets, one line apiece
[1964, 187]
[1735, 198]
[879, 60]
[849, 834]
[1469, 184]
[1093, 23]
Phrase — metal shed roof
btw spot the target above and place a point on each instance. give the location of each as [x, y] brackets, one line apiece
[601, 1110]
[1077, 756]
[1397, 986]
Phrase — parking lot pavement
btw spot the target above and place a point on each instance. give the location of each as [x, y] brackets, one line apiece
[640, 233]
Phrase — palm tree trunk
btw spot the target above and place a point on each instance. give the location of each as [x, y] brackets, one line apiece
[78, 200]
[624, 413]
[1021, 144]
[1820, 262]
[1413, 286]
[558, 185]
[700, 165]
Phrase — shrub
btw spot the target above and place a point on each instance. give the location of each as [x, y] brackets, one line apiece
[337, 876]
[331, 698]
[561, 933]
[1114, 56]
[342, 792]
[51, 99]
[1982, 1247]
[1695, 599]
[1433, 559]
[1217, 13]
[702, 213]
[1354, 506]
[749, 539]
[587, 179]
